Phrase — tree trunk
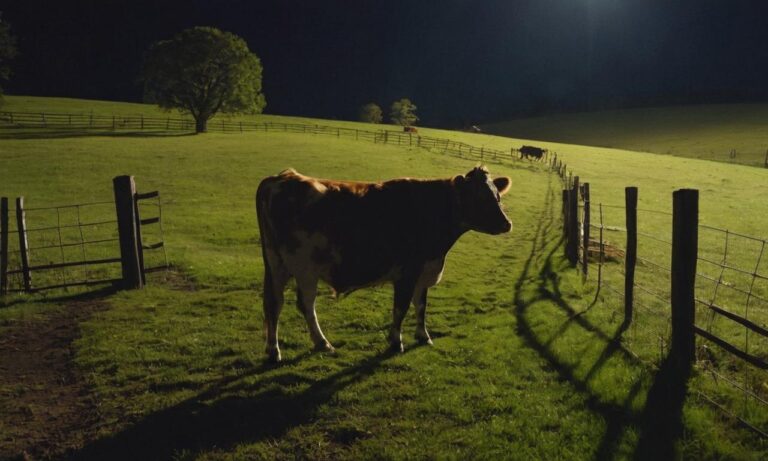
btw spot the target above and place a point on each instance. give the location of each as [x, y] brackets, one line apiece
[201, 124]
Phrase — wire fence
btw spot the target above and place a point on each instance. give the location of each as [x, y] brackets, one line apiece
[731, 296]
[78, 245]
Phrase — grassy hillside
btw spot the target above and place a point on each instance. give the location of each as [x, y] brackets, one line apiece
[521, 368]
[705, 132]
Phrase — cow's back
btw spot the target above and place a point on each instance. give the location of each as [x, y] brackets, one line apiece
[353, 234]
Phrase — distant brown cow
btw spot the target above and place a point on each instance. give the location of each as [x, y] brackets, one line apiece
[533, 152]
[410, 129]
[357, 234]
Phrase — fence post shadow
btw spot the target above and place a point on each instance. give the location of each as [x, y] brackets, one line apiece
[661, 423]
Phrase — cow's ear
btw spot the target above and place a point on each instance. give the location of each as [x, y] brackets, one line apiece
[502, 184]
[459, 179]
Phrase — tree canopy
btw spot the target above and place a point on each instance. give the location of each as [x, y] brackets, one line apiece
[203, 71]
[371, 113]
[403, 112]
[8, 50]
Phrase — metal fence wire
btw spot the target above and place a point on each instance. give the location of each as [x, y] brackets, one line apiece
[731, 295]
[66, 246]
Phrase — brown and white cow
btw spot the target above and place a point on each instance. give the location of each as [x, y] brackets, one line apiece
[357, 234]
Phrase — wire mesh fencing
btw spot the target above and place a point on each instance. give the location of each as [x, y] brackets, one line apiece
[73, 246]
[731, 301]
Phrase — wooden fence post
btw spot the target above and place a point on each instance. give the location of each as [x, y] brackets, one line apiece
[585, 227]
[3, 245]
[127, 225]
[23, 244]
[142, 122]
[630, 257]
[766, 153]
[572, 238]
[685, 243]
[566, 196]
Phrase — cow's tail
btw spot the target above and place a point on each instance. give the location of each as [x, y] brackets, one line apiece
[266, 229]
[272, 295]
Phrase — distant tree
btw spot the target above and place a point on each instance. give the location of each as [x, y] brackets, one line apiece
[202, 71]
[8, 51]
[403, 112]
[371, 113]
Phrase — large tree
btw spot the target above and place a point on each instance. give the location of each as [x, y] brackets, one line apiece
[203, 71]
[7, 51]
[371, 113]
[403, 112]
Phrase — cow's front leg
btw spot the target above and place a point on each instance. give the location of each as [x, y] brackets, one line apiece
[403, 294]
[306, 292]
[420, 303]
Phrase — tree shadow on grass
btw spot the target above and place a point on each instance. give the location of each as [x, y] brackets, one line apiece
[221, 418]
[660, 422]
[43, 133]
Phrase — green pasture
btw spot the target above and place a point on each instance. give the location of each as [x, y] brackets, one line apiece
[701, 131]
[528, 363]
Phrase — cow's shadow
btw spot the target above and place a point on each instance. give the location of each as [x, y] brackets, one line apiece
[220, 418]
[659, 423]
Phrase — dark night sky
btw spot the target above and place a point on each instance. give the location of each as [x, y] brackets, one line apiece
[459, 61]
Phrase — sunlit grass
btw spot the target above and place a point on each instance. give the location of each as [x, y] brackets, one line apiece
[522, 366]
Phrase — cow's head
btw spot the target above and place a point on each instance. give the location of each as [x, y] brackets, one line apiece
[479, 199]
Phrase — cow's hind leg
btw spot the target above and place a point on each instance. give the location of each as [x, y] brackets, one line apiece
[403, 295]
[275, 279]
[306, 292]
[420, 303]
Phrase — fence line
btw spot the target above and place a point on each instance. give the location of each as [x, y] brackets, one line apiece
[94, 260]
[748, 385]
[142, 123]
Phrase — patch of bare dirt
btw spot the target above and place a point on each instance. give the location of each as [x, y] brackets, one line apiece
[46, 407]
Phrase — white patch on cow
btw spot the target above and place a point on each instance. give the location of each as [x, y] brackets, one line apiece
[300, 262]
[430, 275]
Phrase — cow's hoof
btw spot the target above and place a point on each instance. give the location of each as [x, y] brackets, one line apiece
[423, 338]
[273, 355]
[396, 348]
[324, 347]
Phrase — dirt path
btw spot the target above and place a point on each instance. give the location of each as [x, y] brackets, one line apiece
[46, 407]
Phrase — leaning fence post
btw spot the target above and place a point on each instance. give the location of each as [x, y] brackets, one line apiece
[572, 240]
[685, 242]
[23, 245]
[3, 245]
[585, 226]
[630, 257]
[127, 225]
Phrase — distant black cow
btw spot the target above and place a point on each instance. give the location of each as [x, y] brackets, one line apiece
[533, 152]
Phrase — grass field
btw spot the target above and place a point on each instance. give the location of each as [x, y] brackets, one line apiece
[706, 132]
[523, 366]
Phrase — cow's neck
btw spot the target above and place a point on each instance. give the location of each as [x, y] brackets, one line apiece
[451, 228]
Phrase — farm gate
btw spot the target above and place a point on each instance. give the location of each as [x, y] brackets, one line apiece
[82, 245]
